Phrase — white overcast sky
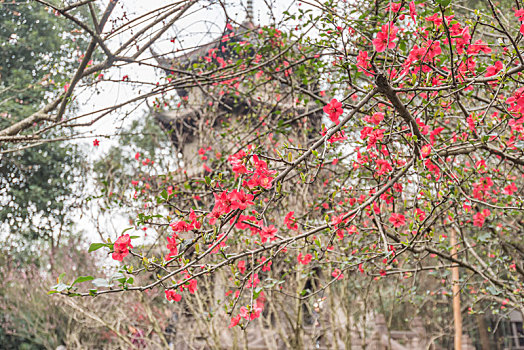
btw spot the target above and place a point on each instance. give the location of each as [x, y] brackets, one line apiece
[192, 30]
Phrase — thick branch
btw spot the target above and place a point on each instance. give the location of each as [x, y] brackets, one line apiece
[385, 88]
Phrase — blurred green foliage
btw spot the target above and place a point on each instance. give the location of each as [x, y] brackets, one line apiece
[37, 53]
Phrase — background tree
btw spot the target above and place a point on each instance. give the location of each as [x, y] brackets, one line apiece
[40, 185]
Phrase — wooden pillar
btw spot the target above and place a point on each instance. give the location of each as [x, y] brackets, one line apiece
[457, 316]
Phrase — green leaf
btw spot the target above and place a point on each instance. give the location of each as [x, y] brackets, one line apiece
[60, 287]
[82, 279]
[96, 246]
[492, 290]
[484, 237]
[101, 282]
[256, 292]
[61, 277]
[127, 229]
[402, 45]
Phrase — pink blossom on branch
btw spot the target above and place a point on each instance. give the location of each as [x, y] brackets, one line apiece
[121, 247]
[385, 38]
[334, 110]
[290, 221]
[397, 220]
[304, 260]
[172, 295]
[412, 11]
[337, 274]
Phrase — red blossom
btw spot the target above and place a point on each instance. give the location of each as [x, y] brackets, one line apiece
[334, 110]
[376, 118]
[121, 247]
[412, 11]
[420, 214]
[171, 245]
[363, 63]
[234, 321]
[385, 38]
[337, 274]
[480, 217]
[477, 47]
[304, 260]
[191, 285]
[268, 233]
[510, 189]
[172, 295]
[383, 167]
[240, 200]
[253, 281]
[338, 137]
[397, 220]
[425, 151]
[290, 221]
[241, 266]
[494, 69]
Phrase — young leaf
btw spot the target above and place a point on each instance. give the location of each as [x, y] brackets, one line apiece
[101, 282]
[96, 246]
[82, 279]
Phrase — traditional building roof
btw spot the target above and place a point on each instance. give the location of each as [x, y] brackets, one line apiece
[183, 123]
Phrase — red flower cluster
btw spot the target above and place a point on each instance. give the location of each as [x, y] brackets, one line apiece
[334, 110]
[268, 233]
[338, 136]
[262, 176]
[480, 217]
[183, 226]
[171, 245]
[397, 220]
[425, 151]
[226, 202]
[172, 295]
[290, 221]
[482, 187]
[249, 314]
[121, 247]
[304, 260]
[520, 14]
[376, 118]
[241, 266]
[190, 285]
[385, 38]
[337, 274]
[237, 163]
[517, 100]
[363, 63]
